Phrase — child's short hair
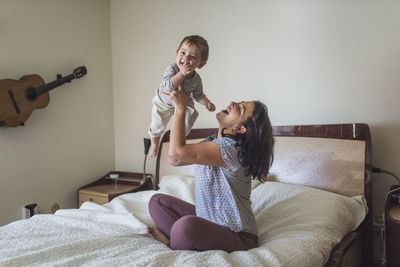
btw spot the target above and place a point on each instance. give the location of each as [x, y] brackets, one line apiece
[198, 41]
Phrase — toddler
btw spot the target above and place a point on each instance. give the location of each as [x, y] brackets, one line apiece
[191, 54]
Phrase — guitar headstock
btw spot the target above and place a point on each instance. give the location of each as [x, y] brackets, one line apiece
[80, 72]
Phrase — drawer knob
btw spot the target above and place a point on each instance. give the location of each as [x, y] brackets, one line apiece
[91, 199]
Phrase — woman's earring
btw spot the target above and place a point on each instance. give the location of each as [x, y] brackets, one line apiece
[241, 129]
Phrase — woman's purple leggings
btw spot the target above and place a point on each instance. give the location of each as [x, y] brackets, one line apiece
[177, 219]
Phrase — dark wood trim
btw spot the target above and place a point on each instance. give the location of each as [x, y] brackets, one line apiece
[105, 180]
[339, 251]
[368, 250]
[355, 131]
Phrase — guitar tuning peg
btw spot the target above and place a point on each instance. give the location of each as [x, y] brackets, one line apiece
[59, 76]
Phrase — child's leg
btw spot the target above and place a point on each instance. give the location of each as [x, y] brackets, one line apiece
[160, 115]
[166, 210]
[155, 142]
[190, 117]
[195, 233]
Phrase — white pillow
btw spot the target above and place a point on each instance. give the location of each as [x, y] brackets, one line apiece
[289, 209]
[180, 186]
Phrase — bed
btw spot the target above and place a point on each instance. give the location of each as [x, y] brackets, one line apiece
[312, 211]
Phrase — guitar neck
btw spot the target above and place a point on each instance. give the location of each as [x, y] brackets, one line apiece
[49, 86]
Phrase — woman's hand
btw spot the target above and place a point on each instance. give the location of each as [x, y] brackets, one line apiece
[181, 153]
[178, 97]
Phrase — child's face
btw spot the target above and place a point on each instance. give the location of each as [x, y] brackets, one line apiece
[189, 57]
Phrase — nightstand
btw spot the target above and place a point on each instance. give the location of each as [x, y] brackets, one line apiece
[105, 189]
[392, 223]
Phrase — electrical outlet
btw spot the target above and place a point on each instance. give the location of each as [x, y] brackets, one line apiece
[379, 219]
[379, 223]
[378, 227]
[26, 211]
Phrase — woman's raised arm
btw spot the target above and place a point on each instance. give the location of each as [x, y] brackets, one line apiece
[181, 153]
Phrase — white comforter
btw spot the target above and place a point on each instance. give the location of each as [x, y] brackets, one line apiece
[298, 226]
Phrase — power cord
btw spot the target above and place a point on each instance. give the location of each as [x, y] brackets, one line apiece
[382, 262]
[379, 170]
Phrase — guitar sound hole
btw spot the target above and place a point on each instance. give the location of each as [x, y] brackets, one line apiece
[31, 94]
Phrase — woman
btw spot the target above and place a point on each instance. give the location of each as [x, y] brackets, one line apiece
[222, 218]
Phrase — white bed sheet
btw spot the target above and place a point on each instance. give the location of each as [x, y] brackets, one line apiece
[298, 226]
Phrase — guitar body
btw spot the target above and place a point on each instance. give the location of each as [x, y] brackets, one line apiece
[19, 98]
[15, 105]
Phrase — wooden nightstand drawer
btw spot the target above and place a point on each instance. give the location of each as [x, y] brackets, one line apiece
[102, 194]
[105, 189]
[92, 198]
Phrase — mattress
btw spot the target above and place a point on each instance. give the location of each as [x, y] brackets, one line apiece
[298, 226]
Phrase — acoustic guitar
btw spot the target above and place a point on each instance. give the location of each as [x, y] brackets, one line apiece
[19, 98]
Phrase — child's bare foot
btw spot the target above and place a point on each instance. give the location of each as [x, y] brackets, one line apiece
[153, 151]
[159, 235]
[155, 141]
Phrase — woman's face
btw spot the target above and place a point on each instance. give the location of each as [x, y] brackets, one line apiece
[235, 114]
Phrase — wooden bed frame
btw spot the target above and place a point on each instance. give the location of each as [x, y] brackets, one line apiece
[334, 157]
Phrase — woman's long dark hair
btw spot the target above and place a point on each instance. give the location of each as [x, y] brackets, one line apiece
[256, 144]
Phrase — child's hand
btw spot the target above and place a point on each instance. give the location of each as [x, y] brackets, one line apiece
[210, 106]
[186, 70]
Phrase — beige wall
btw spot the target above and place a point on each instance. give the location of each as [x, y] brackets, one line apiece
[311, 62]
[71, 141]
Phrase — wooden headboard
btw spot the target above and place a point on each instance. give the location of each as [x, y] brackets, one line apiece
[332, 157]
